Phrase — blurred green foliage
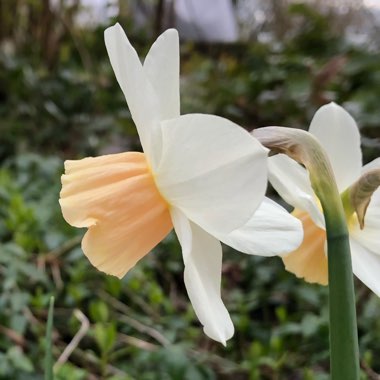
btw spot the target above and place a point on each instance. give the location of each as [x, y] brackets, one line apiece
[143, 327]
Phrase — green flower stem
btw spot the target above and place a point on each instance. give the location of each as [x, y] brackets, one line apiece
[344, 352]
[304, 148]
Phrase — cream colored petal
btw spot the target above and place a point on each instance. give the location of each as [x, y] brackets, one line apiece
[95, 186]
[213, 170]
[309, 261]
[292, 183]
[116, 197]
[162, 69]
[202, 255]
[339, 135]
[142, 100]
[115, 245]
[271, 231]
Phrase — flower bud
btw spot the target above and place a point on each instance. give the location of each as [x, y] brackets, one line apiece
[359, 194]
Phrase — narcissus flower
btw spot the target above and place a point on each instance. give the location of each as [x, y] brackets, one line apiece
[201, 174]
[338, 133]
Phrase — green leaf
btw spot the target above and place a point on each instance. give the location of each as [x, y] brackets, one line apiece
[19, 360]
[99, 311]
[105, 336]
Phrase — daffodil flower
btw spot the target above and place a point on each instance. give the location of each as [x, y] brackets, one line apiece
[338, 134]
[201, 174]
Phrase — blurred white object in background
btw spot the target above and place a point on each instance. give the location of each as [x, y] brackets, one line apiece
[91, 12]
[230, 21]
[95, 12]
[206, 20]
[372, 3]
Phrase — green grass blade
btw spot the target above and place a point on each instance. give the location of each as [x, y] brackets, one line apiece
[49, 346]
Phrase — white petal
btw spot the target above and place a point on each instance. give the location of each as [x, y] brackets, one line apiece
[292, 183]
[202, 255]
[366, 266]
[374, 203]
[162, 68]
[339, 135]
[375, 164]
[213, 170]
[365, 244]
[369, 237]
[271, 231]
[139, 93]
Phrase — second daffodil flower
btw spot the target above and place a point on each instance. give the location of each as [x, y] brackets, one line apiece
[201, 174]
[338, 134]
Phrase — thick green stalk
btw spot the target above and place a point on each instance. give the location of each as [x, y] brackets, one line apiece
[344, 352]
[304, 148]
